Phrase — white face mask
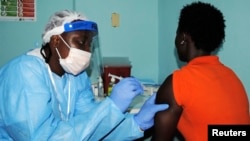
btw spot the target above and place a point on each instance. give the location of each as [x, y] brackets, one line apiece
[76, 61]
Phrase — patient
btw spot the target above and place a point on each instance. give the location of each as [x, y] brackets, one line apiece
[204, 91]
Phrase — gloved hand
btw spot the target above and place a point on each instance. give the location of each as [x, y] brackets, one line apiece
[145, 117]
[124, 91]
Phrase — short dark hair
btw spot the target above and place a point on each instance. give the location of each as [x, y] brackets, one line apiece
[204, 23]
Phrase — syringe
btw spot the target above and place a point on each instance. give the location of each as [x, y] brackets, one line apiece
[120, 78]
[115, 76]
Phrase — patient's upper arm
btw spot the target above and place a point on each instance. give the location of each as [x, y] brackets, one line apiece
[166, 121]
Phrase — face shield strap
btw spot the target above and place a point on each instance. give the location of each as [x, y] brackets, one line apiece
[81, 25]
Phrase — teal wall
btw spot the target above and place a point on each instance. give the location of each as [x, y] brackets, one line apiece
[145, 35]
[136, 37]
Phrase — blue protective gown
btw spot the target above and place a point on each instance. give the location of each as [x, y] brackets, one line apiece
[33, 109]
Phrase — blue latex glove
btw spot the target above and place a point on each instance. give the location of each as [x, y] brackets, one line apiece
[124, 91]
[145, 117]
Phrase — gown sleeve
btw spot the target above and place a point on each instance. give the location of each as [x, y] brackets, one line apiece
[26, 110]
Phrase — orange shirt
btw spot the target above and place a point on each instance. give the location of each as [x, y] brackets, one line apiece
[210, 93]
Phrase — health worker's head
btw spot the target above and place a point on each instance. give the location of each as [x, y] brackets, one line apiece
[67, 42]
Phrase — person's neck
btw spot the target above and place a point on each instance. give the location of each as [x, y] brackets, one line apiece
[56, 67]
[198, 53]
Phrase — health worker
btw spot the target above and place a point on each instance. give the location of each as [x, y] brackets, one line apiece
[46, 95]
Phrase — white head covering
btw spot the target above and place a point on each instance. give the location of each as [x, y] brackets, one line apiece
[55, 26]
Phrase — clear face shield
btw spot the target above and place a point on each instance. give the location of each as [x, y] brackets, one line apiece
[95, 68]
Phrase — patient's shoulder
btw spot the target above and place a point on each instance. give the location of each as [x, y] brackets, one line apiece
[165, 92]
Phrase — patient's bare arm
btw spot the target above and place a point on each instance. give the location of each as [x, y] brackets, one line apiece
[166, 121]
